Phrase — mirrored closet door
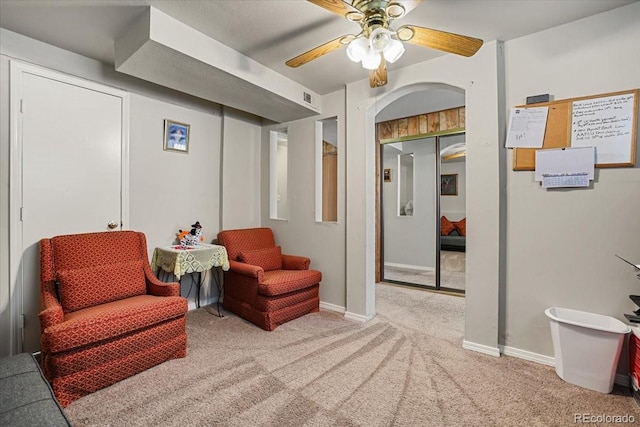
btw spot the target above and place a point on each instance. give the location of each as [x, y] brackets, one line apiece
[422, 183]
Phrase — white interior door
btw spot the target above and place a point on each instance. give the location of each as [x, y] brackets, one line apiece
[72, 139]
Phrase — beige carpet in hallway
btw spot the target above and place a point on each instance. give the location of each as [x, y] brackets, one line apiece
[406, 367]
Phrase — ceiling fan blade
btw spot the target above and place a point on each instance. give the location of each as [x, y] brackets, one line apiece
[316, 52]
[441, 40]
[338, 7]
[378, 77]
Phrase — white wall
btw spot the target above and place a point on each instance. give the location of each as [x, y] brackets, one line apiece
[300, 234]
[170, 191]
[479, 77]
[161, 183]
[241, 172]
[562, 243]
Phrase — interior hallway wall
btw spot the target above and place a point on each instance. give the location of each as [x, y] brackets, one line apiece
[160, 216]
[562, 243]
[241, 156]
[300, 234]
[479, 77]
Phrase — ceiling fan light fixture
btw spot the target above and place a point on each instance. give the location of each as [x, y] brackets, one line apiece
[395, 10]
[405, 33]
[394, 51]
[354, 16]
[380, 39]
[371, 60]
[357, 49]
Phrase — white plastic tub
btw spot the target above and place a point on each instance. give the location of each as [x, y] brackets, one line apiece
[587, 347]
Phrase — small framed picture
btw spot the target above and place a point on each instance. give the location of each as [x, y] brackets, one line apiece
[449, 185]
[176, 136]
[387, 175]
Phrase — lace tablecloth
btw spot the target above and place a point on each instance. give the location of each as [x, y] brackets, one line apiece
[174, 259]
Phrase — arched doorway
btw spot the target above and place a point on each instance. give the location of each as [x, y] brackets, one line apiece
[415, 136]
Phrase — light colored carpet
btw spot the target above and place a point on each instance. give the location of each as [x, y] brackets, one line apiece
[406, 367]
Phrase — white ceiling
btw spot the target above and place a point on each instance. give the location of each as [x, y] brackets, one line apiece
[273, 31]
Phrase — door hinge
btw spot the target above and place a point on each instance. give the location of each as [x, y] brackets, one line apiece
[21, 213]
[22, 320]
[22, 105]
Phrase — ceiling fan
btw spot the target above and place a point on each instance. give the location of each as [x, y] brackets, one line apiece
[377, 43]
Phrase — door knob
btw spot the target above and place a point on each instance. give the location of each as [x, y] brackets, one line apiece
[112, 224]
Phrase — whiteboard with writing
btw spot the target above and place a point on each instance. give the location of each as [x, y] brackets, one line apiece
[607, 124]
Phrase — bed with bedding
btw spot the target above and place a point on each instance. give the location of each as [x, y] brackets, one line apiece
[453, 234]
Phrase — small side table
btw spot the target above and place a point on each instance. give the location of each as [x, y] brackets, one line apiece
[179, 261]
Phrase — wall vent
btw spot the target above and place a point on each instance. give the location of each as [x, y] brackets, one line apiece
[307, 97]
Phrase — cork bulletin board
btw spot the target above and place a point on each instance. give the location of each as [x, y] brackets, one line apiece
[608, 121]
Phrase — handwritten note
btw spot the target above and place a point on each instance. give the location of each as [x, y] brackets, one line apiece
[606, 124]
[527, 127]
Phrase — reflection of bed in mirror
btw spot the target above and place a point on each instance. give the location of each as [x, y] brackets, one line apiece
[453, 234]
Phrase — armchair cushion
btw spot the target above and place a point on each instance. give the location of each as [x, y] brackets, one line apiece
[279, 282]
[110, 320]
[90, 286]
[267, 258]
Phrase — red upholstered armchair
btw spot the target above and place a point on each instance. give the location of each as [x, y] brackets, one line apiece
[105, 316]
[263, 285]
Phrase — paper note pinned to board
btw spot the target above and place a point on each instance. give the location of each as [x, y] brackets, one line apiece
[565, 167]
[527, 127]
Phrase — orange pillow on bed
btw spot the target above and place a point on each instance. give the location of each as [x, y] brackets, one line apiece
[446, 226]
[461, 226]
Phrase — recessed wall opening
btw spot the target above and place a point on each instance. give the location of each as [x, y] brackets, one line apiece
[278, 163]
[326, 152]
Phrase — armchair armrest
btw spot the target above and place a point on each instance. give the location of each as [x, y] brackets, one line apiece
[51, 312]
[246, 269]
[158, 288]
[294, 262]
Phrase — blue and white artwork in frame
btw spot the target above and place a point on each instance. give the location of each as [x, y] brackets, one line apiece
[176, 136]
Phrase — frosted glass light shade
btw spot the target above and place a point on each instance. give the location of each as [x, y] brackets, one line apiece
[371, 60]
[394, 51]
[357, 49]
[380, 39]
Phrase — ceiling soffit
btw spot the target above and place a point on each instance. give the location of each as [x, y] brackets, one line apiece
[163, 50]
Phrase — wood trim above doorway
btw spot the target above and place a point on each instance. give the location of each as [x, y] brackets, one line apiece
[430, 123]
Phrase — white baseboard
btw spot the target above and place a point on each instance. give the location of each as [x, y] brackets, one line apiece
[357, 317]
[332, 307]
[408, 266]
[481, 348]
[620, 379]
[527, 355]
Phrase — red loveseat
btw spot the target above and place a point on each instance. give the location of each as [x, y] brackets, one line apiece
[104, 315]
[263, 285]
